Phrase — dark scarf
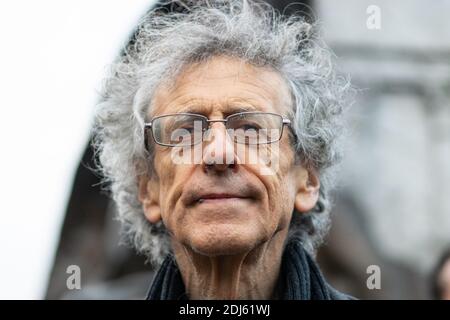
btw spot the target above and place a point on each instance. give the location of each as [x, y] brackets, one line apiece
[300, 278]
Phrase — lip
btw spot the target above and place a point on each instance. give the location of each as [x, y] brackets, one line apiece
[220, 192]
[217, 198]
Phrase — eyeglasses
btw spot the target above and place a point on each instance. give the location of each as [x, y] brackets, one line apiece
[188, 129]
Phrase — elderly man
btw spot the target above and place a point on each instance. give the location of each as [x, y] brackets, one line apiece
[218, 133]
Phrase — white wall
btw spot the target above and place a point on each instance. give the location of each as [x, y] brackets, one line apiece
[53, 55]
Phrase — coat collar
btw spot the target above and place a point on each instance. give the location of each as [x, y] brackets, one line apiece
[300, 278]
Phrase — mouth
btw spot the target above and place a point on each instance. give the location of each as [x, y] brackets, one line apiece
[215, 198]
[226, 193]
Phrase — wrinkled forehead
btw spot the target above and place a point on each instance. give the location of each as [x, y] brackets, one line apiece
[222, 85]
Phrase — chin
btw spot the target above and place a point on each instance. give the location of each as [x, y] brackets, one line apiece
[220, 240]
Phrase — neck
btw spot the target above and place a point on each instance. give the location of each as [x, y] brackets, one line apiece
[249, 275]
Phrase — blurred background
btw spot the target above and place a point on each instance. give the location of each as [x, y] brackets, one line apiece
[392, 207]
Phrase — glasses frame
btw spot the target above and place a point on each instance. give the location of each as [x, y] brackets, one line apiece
[148, 126]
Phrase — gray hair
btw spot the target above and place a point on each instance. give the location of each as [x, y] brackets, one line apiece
[255, 33]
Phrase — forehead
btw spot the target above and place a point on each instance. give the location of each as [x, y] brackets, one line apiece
[222, 85]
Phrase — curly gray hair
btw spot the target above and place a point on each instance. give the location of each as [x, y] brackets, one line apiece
[246, 29]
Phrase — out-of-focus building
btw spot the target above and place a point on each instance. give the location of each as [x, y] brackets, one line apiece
[396, 175]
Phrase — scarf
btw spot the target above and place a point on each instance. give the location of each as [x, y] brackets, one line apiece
[299, 279]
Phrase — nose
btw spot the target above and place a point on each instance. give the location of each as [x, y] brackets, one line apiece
[218, 153]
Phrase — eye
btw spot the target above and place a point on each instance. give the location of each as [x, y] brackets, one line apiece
[250, 126]
[185, 125]
[246, 125]
[189, 128]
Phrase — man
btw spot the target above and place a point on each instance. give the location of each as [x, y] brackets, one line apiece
[218, 133]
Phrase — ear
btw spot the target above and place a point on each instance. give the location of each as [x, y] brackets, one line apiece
[308, 186]
[149, 197]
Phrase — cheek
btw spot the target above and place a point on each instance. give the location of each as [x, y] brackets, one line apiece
[171, 178]
[163, 165]
[275, 159]
[282, 199]
[280, 183]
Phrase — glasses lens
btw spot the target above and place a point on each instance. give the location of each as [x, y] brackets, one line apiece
[179, 129]
[255, 128]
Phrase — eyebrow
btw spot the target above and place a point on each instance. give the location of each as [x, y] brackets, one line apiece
[239, 108]
[232, 109]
